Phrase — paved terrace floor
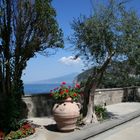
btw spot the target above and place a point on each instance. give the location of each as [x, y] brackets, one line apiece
[126, 131]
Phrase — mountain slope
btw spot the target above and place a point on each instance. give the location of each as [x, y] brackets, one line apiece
[67, 78]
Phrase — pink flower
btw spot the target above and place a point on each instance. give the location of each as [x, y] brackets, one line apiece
[63, 83]
[56, 88]
[77, 85]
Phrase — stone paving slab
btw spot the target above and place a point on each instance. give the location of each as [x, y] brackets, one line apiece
[48, 128]
[127, 131]
[96, 129]
[123, 108]
[121, 112]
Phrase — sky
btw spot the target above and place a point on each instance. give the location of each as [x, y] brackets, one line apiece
[41, 67]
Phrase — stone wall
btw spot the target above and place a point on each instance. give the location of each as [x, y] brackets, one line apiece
[41, 105]
[108, 96]
[117, 95]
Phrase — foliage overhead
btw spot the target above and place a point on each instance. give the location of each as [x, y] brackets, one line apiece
[117, 75]
[110, 29]
[122, 35]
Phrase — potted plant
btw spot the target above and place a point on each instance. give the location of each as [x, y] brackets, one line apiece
[67, 109]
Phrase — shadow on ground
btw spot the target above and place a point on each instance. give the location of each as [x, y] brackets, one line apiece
[52, 127]
[112, 115]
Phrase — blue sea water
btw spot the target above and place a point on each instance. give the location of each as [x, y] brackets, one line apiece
[30, 89]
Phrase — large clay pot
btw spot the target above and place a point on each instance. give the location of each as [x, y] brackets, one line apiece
[65, 114]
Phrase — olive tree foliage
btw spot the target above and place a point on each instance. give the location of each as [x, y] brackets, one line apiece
[121, 74]
[27, 27]
[111, 33]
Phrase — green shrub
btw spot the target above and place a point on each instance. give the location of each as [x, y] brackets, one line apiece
[101, 112]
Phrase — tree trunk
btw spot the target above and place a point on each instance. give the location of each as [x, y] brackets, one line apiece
[92, 83]
[91, 116]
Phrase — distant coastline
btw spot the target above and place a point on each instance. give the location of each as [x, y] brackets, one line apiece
[44, 86]
[69, 78]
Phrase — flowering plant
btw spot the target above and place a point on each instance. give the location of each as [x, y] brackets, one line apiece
[26, 129]
[64, 91]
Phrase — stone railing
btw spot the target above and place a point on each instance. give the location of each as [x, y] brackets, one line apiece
[41, 105]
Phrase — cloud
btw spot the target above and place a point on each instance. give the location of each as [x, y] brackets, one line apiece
[70, 60]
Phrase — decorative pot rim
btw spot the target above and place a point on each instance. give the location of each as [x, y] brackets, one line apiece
[62, 101]
[69, 99]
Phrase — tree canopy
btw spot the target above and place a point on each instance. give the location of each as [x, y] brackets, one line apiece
[27, 27]
[110, 29]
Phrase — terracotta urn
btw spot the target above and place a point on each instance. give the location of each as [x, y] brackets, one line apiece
[66, 114]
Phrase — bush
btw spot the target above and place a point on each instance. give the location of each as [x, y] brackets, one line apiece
[101, 112]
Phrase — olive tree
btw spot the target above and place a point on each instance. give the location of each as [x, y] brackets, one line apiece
[108, 34]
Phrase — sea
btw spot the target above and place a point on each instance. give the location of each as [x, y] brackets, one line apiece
[32, 89]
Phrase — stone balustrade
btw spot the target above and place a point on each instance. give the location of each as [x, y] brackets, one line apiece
[41, 105]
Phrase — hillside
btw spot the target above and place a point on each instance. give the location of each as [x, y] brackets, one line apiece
[67, 78]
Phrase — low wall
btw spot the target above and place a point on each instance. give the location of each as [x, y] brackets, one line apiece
[117, 95]
[41, 105]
